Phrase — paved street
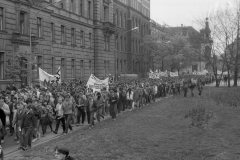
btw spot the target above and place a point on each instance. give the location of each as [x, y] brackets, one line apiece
[158, 131]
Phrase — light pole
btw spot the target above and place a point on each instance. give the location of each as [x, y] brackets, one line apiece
[115, 55]
[30, 40]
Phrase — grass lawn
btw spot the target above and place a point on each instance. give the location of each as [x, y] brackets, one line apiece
[177, 128]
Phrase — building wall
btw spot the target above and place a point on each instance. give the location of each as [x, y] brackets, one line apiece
[77, 60]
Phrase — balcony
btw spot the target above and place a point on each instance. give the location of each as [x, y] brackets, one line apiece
[23, 39]
[109, 27]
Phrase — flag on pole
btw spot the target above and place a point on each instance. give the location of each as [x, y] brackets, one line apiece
[58, 75]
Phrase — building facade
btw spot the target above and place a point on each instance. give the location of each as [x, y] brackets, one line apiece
[80, 36]
[191, 38]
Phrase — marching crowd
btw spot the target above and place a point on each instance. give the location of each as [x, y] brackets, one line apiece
[26, 113]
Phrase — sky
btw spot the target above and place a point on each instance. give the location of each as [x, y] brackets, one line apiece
[177, 12]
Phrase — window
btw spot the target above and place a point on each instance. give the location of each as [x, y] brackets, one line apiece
[125, 65]
[105, 67]
[1, 18]
[39, 61]
[90, 66]
[114, 18]
[72, 9]
[121, 65]
[62, 67]
[107, 42]
[73, 68]
[82, 69]
[53, 31]
[125, 44]
[82, 38]
[121, 20]
[62, 5]
[81, 8]
[117, 65]
[89, 9]
[106, 13]
[117, 18]
[121, 45]
[53, 65]
[1, 65]
[116, 43]
[90, 40]
[133, 66]
[63, 34]
[22, 22]
[73, 36]
[125, 21]
[39, 26]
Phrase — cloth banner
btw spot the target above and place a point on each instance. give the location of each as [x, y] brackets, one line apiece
[46, 77]
[158, 75]
[173, 74]
[97, 84]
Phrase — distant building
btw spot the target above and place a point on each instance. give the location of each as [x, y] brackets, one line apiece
[194, 38]
[81, 36]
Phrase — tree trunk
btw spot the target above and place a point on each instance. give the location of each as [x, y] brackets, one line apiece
[236, 60]
[217, 82]
[229, 80]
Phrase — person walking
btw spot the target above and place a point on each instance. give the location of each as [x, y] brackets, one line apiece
[68, 109]
[5, 108]
[28, 125]
[81, 108]
[59, 115]
[113, 99]
[129, 99]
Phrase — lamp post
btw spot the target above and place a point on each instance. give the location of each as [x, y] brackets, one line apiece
[30, 40]
[115, 55]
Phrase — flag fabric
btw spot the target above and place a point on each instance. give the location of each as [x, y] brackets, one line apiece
[58, 75]
[45, 77]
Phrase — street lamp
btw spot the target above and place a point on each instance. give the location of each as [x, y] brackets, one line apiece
[30, 39]
[133, 29]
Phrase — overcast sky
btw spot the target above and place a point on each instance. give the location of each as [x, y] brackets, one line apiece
[177, 12]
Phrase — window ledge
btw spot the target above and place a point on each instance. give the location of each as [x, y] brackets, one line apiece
[73, 45]
[3, 31]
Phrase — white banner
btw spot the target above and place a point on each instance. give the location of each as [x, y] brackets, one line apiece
[44, 76]
[97, 84]
[157, 75]
[173, 74]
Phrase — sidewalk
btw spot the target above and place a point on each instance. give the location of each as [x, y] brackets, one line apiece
[11, 148]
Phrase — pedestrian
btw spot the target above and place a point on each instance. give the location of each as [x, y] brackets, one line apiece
[113, 99]
[28, 126]
[4, 117]
[68, 109]
[185, 88]
[98, 103]
[129, 98]
[59, 115]
[81, 108]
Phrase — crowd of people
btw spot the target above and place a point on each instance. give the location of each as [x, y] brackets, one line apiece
[27, 112]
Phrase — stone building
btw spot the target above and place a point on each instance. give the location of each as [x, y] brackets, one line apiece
[81, 36]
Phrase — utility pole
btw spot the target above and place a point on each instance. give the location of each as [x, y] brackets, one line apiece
[236, 60]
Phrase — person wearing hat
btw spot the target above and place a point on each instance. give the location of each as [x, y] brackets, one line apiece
[62, 154]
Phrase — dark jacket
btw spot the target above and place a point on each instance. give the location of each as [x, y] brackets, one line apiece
[3, 117]
[28, 120]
